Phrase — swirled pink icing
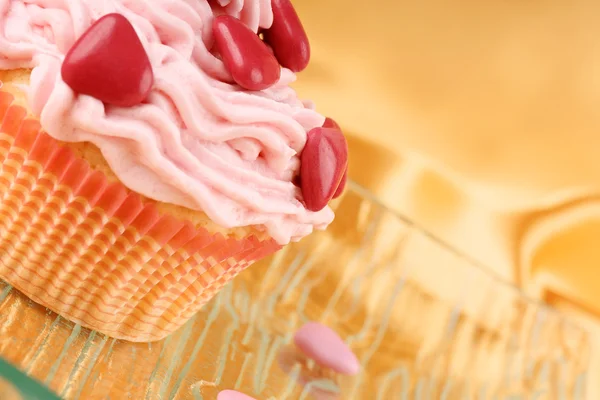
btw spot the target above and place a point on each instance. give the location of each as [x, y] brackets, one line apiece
[198, 140]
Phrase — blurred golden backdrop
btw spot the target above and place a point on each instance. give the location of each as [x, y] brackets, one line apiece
[481, 121]
[495, 90]
[478, 119]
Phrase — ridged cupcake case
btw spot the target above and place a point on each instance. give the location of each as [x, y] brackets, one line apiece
[93, 251]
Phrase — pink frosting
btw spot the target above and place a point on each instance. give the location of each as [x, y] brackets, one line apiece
[198, 141]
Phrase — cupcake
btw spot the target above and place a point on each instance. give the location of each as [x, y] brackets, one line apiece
[151, 151]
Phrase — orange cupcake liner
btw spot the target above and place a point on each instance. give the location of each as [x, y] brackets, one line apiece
[93, 251]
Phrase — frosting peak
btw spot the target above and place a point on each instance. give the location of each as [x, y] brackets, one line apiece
[198, 140]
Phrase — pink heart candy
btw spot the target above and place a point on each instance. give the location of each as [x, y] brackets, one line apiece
[287, 36]
[324, 346]
[251, 63]
[109, 63]
[330, 123]
[342, 185]
[323, 162]
[232, 395]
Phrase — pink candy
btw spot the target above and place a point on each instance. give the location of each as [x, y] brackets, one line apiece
[233, 395]
[321, 344]
[330, 123]
[342, 185]
[323, 163]
[324, 346]
[109, 63]
[251, 63]
[287, 37]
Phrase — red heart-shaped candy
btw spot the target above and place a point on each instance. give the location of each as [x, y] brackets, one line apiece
[342, 185]
[330, 123]
[287, 36]
[324, 160]
[251, 63]
[109, 63]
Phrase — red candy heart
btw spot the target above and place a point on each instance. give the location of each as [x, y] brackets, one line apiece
[330, 123]
[287, 37]
[324, 160]
[342, 185]
[251, 63]
[109, 63]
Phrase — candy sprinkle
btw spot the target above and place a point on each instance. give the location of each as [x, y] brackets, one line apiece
[326, 348]
[233, 395]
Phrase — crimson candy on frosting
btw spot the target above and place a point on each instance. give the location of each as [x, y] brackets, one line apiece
[330, 123]
[342, 186]
[109, 63]
[252, 65]
[287, 37]
[323, 162]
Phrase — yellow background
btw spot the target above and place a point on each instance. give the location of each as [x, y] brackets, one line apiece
[480, 120]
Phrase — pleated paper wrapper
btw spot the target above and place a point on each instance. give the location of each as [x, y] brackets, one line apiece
[93, 251]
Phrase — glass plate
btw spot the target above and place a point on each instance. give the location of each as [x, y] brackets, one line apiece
[15, 385]
[426, 323]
